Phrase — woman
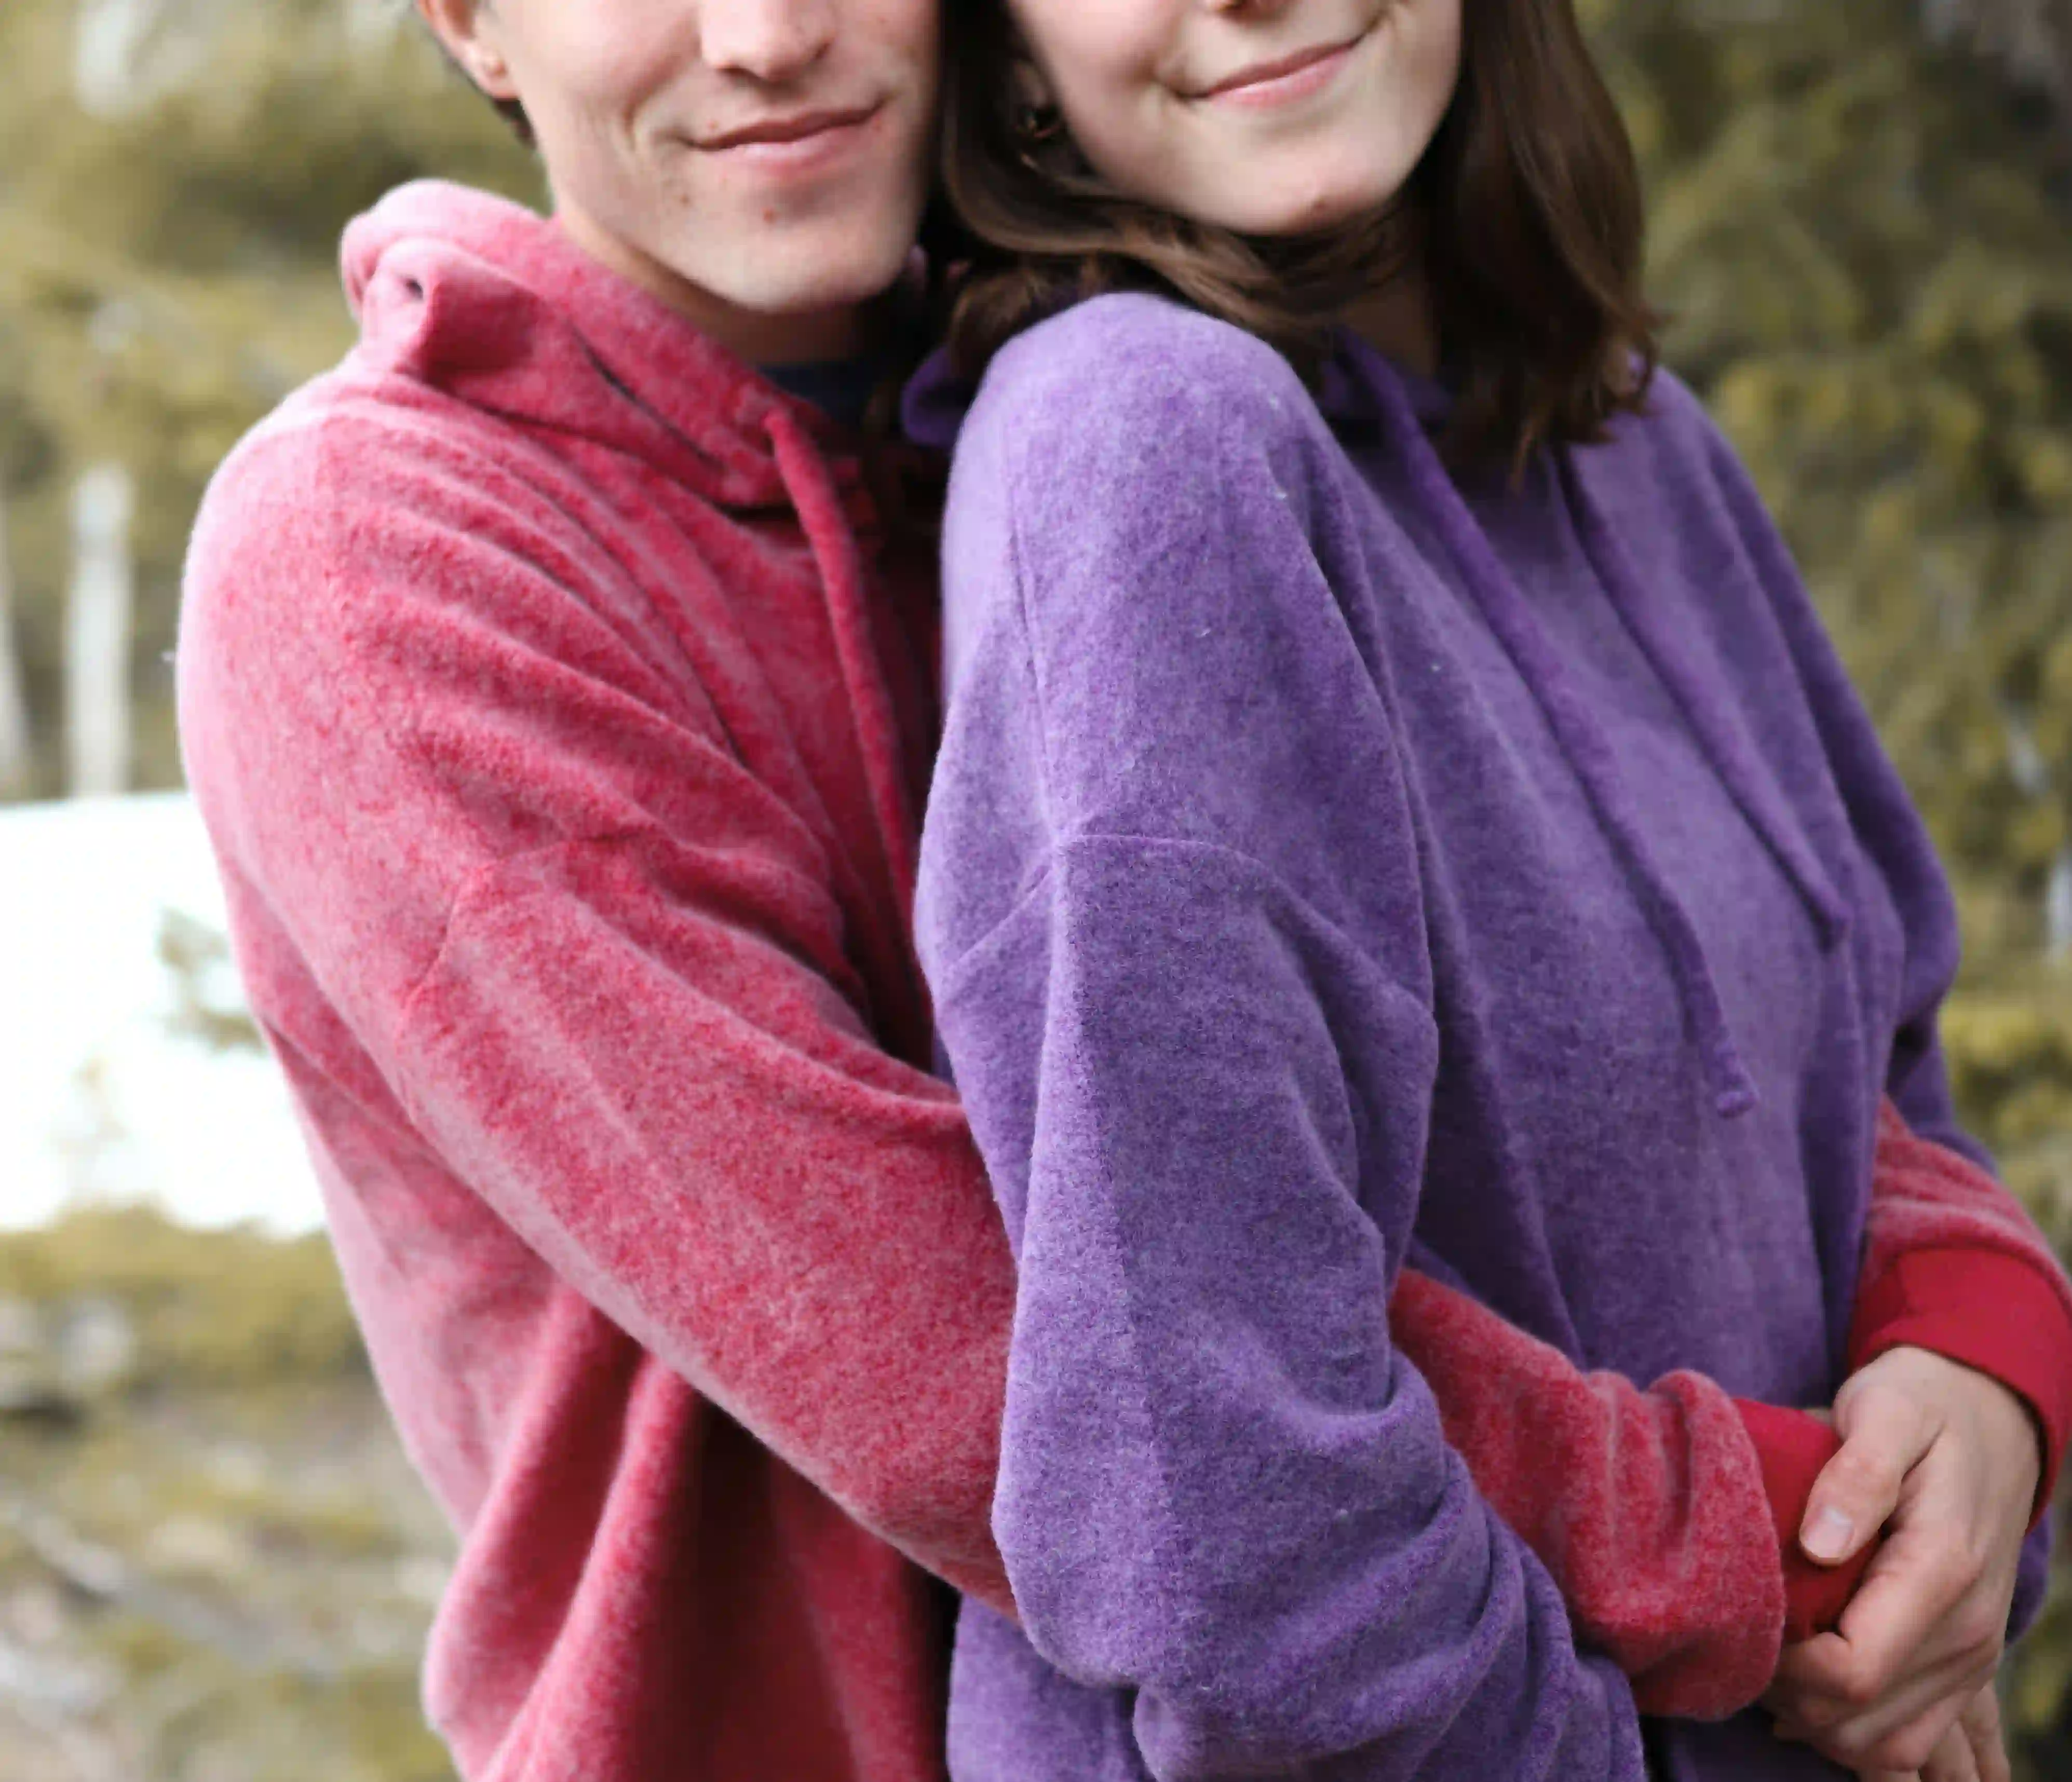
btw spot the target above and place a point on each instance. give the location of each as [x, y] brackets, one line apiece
[1397, 806]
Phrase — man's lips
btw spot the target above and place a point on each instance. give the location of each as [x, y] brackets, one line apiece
[798, 127]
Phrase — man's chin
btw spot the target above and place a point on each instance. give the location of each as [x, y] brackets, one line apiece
[800, 278]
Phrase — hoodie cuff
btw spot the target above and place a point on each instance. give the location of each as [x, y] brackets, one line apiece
[1792, 1447]
[1988, 1310]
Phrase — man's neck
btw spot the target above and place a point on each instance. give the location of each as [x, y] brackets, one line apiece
[758, 337]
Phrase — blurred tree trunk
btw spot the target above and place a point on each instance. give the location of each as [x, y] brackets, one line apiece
[97, 632]
[2057, 907]
[13, 705]
[2031, 39]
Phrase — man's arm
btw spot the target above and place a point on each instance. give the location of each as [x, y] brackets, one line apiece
[1953, 1263]
[1670, 1517]
[598, 962]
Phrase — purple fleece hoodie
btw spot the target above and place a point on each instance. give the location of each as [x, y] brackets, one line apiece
[1326, 870]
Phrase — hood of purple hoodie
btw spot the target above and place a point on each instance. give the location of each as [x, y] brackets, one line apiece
[937, 400]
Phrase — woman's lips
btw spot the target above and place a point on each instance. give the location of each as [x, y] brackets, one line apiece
[1287, 78]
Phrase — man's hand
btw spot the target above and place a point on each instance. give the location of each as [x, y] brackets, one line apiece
[1952, 1460]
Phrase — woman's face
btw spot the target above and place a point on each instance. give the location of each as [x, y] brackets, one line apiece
[1267, 116]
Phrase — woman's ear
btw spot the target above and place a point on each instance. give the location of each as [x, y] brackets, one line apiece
[1031, 89]
[469, 32]
[1035, 115]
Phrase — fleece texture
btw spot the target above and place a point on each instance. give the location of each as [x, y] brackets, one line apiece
[1332, 868]
[1647, 1507]
[1954, 1269]
[551, 693]
[556, 703]
[1669, 1518]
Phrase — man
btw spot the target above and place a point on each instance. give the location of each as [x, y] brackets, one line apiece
[554, 693]
[545, 692]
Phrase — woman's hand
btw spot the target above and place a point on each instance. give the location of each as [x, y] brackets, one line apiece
[1952, 1460]
[1972, 1751]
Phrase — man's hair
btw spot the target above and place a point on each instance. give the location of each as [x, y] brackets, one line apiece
[514, 114]
[1526, 210]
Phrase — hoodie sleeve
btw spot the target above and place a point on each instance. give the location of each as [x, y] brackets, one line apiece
[1666, 1515]
[1895, 841]
[1648, 1508]
[594, 960]
[1954, 1264]
[1170, 910]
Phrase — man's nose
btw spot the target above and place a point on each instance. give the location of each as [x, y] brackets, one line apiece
[771, 41]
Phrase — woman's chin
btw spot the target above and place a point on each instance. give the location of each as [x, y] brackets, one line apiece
[1310, 210]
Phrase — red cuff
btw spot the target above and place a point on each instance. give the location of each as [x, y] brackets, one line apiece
[1792, 1447]
[1988, 1310]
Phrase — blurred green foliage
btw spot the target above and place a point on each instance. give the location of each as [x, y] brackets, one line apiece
[168, 272]
[214, 1560]
[286, 1320]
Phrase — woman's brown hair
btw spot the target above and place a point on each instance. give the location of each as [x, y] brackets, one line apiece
[1525, 212]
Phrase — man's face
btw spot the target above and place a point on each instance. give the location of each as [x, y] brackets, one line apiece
[752, 161]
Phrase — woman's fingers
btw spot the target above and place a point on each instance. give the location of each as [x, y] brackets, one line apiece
[1973, 1750]
[1899, 1734]
[1952, 1759]
[1885, 1431]
[1848, 1709]
[1981, 1723]
[1896, 1743]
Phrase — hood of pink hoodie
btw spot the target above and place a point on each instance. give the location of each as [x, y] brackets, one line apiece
[479, 296]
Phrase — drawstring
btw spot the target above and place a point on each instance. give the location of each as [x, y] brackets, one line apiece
[1580, 739]
[1718, 731]
[825, 523]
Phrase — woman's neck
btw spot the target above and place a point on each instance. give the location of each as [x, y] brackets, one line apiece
[1398, 322]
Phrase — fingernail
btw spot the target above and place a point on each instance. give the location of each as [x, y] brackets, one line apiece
[1826, 1535]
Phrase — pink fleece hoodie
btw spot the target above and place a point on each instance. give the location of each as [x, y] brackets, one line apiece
[558, 708]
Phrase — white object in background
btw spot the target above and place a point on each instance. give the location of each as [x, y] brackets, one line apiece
[128, 54]
[98, 1092]
[97, 631]
[109, 39]
[372, 24]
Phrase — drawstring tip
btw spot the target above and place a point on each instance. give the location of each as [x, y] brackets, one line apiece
[1734, 1099]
